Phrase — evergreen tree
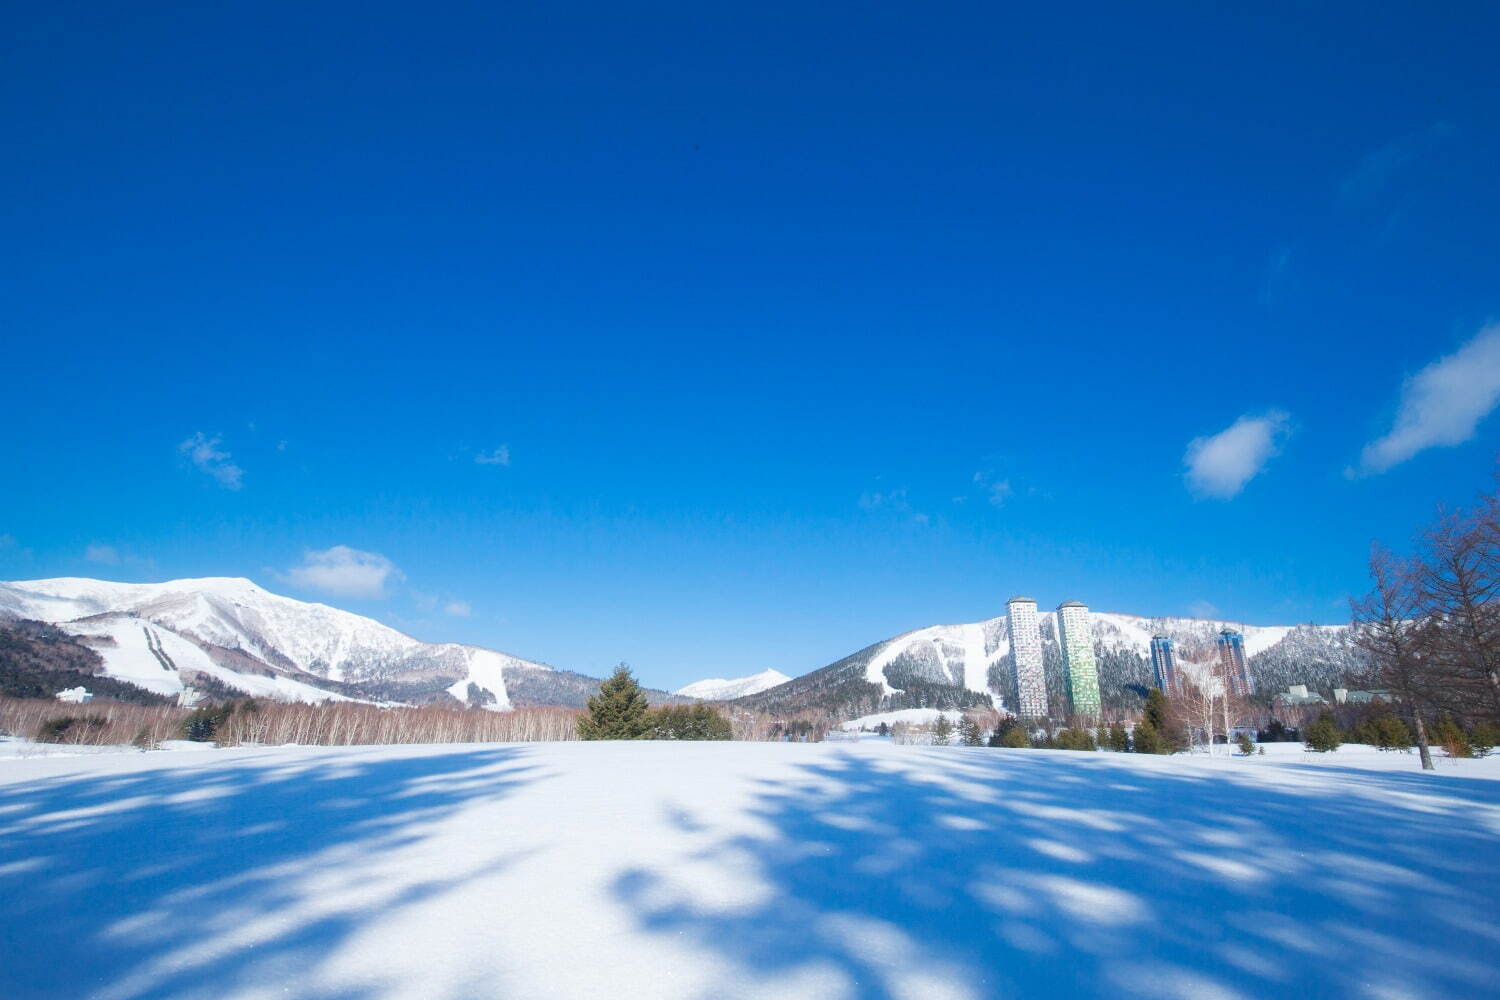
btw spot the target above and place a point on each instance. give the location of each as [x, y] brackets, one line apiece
[1016, 738]
[1146, 739]
[1156, 709]
[1483, 738]
[688, 722]
[1323, 736]
[1247, 745]
[1169, 735]
[942, 730]
[1119, 739]
[969, 734]
[618, 712]
[1391, 733]
[1076, 739]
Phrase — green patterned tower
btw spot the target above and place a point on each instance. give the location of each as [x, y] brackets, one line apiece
[1075, 634]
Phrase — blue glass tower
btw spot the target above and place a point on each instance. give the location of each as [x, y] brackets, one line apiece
[1164, 663]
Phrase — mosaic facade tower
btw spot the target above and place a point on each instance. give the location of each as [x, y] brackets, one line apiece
[1075, 634]
[1026, 648]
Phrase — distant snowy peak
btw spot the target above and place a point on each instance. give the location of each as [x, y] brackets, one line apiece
[258, 632]
[718, 689]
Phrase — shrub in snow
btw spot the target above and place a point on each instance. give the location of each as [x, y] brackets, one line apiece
[1247, 745]
[1483, 738]
[70, 729]
[688, 722]
[1453, 739]
[1076, 739]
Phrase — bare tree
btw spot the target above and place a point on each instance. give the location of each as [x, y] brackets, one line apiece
[1390, 629]
[1197, 706]
[1458, 585]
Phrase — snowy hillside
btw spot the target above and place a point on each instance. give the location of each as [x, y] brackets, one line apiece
[228, 629]
[679, 871]
[959, 666]
[717, 689]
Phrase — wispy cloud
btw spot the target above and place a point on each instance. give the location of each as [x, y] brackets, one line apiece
[498, 456]
[106, 555]
[458, 609]
[1278, 272]
[1377, 169]
[896, 501]
[996, 491]
[1442, 404]
[1220, 465]
[344, 572]
[207, 456]
[1203, 609]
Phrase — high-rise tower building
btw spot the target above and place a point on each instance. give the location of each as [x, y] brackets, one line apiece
[1232, 666]
[1075, 634]
[1026, 648]
[1164, 663]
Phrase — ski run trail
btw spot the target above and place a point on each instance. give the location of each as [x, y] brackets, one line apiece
[723, 870]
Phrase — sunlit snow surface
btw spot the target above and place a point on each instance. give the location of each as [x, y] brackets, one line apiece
[745, 870]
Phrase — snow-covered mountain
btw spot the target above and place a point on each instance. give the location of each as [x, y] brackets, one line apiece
[718, 689]
[957, 666]
[165, 636]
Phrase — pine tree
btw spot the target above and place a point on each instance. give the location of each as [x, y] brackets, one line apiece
[618, 712]
[969, 734]
[1247, 745]
[1483, 738]
[1391, 733]
[1119, 739]
[1323, 736]
[1016, 738]
[1146, 739]
[942, 730]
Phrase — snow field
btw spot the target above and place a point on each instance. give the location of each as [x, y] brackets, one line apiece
[744, 870]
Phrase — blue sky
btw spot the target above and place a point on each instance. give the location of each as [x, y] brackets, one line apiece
[723, 340]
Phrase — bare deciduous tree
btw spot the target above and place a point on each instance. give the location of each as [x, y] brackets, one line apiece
[1458, 586]
[1390, 629]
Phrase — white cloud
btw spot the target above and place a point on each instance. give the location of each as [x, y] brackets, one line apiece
[1203, 609]
[458, 609]
[1442, 404]
[203, 451]
[1377, 169]
[1219, 466]
[344, 572]
[500, 456]
[108, 555]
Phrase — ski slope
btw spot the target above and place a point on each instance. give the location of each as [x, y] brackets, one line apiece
[730, 870]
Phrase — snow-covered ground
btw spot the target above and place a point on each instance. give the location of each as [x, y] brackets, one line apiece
[910, 716]
[715, 870]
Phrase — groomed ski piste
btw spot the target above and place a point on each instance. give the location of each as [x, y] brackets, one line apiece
[707, 870]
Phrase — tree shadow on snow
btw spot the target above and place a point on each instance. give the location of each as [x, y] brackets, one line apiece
[1025, 873]
[200, 877]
